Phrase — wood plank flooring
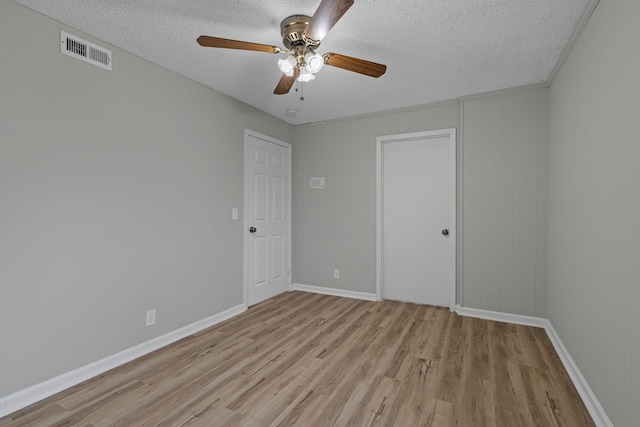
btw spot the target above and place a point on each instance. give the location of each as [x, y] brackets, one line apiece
[317, 360]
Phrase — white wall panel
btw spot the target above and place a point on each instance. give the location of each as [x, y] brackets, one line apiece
[336, 228]
[504, 202]
[471, 208]
[594, 207]
[501, 198]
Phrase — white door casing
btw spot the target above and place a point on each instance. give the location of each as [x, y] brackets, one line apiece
[267, 208]
[416, 202]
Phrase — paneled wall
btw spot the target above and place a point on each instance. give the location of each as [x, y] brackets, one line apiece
[503, 214]
[594, 207]
[502, 199]
[336, 228]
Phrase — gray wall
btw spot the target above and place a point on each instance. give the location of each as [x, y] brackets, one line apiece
[594, 207]
[336, 227]
[504, 163]
[502, 199]
[116, 191]
[117, 187]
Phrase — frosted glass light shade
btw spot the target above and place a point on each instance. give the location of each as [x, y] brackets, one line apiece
[314, 62]
[305, 75]
[287, 65]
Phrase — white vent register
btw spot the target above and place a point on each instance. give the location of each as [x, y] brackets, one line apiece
[85, 51]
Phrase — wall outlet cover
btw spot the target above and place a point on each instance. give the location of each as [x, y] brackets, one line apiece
[151, 317]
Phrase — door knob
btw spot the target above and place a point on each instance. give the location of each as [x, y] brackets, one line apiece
[445, 232]
[252, 229]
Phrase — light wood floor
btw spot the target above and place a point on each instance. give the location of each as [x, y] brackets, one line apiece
[316, 360]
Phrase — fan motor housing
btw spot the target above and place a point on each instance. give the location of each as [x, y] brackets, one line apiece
[292, 30]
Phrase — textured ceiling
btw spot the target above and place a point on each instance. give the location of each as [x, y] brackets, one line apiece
[435, 49]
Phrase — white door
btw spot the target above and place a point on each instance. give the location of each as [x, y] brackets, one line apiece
[417, 217]
[267, 217]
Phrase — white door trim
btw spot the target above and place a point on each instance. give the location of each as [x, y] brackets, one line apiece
[247, 188]
[380, 141]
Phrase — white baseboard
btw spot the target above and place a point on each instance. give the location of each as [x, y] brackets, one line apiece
[516, 319]
[37, 392]
[335, 292]
[590, 400]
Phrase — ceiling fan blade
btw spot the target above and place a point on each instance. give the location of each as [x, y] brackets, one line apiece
[286, 82]
[326, 16]
[349, 63]
[208, 41]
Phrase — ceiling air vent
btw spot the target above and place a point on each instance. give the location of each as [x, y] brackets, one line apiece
[85, 51]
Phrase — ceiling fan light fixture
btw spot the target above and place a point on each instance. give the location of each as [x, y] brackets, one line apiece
[301, 35]
[305, 75]
[287, 65]
[314, 62]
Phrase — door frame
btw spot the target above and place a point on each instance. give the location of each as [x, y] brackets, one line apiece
[246, 221]
[390, 139]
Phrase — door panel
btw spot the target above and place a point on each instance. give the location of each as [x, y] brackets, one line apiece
[267, 168]
[260, 196]
[260, 257]
[278, 198]
[278, 256]
[418, 259]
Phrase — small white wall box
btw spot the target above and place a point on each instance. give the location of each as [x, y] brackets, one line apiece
[318, 183]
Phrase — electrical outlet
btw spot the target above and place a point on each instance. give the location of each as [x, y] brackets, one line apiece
[336, 274]
[151, 317]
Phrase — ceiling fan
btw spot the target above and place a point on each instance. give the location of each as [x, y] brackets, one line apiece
[301, 35]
